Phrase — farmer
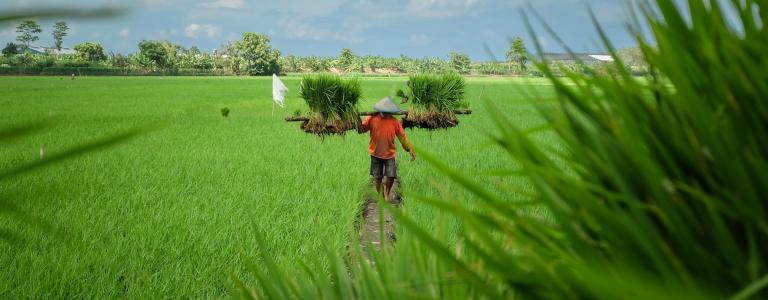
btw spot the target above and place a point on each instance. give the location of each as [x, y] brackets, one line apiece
[383, 129]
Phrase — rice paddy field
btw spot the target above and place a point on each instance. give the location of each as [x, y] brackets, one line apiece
[172, 213]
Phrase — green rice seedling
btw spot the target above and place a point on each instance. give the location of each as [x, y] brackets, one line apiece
[333, 103]
[660, 194]
[225, 111]
[9, 207]
[433, 98]
[315, 202]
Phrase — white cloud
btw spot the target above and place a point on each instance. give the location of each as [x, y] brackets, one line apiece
[197, 30]
[156, 3]
[439, 8]
[294, 27]
[232, 4]
[216, 9]
[303, 8]
[125, 32]
[419, 39]
[297, 28]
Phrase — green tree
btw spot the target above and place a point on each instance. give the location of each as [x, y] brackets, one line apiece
[119, 61]
[431, 65]
[290, 63]
[460, 62]
[59, 32]
[517, 55]
[90, 51]
[11, 49]
[633, 59]
[406, 64]
[228, 49]
[373, 62]
[346, 59]
[258, 57]
[173, 54]
[203, 62]
[27, 31]
[316, 64]
[153, 53]
[194, 51]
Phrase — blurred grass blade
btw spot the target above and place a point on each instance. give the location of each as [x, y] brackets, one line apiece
[12, 210]
[245, 291]
[752, 290]
[281, 291]
[485, 195]
[26, 130]
[440, 251]
[73, 152]
[16, 131]
[65, 12]
[10, 236]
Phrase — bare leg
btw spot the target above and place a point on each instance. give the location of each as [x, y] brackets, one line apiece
[390, 182]
[377, 184]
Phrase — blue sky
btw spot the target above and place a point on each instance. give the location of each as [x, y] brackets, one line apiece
[417, 28]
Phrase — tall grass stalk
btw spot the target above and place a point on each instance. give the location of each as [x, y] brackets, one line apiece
[661, 194]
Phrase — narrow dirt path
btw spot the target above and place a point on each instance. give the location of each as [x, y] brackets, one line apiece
[371, 218]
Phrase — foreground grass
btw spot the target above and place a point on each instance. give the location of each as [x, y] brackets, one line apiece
[172, 213]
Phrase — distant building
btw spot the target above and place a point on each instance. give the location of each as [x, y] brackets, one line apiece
[50, 50]
[567, 58]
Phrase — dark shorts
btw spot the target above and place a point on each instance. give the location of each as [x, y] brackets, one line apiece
[383, 167]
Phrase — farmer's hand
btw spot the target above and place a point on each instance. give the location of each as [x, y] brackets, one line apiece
[413, 156]
[361, 128]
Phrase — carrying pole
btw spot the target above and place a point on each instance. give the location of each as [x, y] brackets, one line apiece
[369, 113]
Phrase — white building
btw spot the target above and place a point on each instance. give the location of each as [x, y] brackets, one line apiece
[50, 50]
[573, 58]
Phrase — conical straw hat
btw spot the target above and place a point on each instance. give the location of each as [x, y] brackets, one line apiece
[386, 105]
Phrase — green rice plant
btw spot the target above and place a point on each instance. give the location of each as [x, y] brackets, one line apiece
[9, 207]
[433, 92]
[9, 133]
[660, 193]
[433, 98]
[333, 102]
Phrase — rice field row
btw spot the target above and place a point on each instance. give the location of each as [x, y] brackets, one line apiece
[172, 212]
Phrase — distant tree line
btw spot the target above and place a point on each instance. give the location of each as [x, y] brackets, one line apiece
[251, 55]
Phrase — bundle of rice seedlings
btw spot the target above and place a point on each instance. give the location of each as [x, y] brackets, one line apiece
[332, 101]
[433, 99]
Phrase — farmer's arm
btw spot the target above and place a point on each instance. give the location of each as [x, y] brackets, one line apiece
[365, 125]
[400, 133]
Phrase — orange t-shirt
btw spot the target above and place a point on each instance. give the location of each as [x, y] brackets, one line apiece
[383, 132]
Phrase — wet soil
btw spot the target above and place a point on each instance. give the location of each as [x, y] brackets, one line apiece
[321, 129]
[371, 218]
